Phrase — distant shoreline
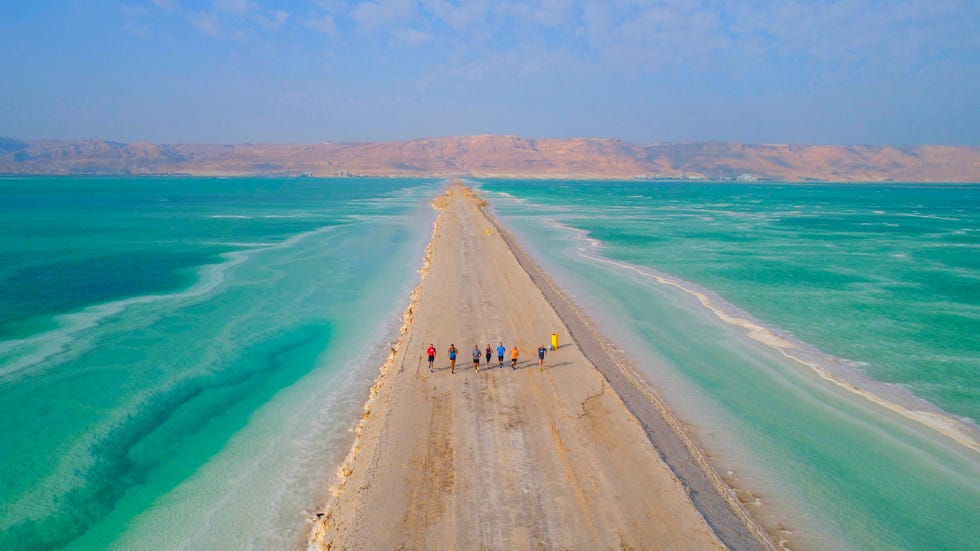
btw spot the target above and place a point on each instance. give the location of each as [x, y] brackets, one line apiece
[510, 157]
[12, 176]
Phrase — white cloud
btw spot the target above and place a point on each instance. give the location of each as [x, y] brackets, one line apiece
[235, 7]
[382, 14]
[273, 21]
[371, 15]
[846, 35]
[638, 37]
[133, 22]
[167, 5]
[459, 17]
[322, 23]
[548, 13]
[333, 6]
[231, 19]
[205, 22]
[411, 37]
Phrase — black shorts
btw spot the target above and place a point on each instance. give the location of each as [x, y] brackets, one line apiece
[500, 358]
[432, 358]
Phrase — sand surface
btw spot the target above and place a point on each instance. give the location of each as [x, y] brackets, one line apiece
[562, 458]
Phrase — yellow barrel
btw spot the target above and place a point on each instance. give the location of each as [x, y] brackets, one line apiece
[554, 341]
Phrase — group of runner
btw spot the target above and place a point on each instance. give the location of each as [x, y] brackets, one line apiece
[477, 353]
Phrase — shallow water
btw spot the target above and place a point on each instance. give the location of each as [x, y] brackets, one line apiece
[190, 352]
[878, 281]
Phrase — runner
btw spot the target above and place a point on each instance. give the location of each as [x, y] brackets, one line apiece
[432, 355]
[452, 358]
[514, 353]
[541, 351]
[489, 353]
[476, 358]
[500, 354]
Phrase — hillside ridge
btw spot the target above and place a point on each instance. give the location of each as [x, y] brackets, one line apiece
[492, 156]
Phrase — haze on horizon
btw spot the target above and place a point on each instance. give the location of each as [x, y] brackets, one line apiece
[232, 71]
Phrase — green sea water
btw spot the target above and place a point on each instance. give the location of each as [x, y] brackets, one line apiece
[875, 286]
[181, 358]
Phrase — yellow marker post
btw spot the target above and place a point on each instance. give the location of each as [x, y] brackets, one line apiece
[488, 232]
[554, 341]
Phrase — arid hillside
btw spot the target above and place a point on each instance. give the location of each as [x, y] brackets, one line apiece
[501, 156]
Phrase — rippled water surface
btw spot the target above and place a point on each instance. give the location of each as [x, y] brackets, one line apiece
[799, 328]
[181, 358]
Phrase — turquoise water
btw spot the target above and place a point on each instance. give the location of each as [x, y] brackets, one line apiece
[181, 358]
[876, 285]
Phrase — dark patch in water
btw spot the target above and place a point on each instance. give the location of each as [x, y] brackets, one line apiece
[235, 389]
[72, 285]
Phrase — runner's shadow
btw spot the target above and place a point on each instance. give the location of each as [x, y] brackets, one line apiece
[548, 366]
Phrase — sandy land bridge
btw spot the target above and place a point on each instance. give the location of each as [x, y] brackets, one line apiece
[577, 456]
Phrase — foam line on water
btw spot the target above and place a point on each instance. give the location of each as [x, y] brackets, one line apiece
[289, 467]
[284, 467]
[828, 367]
[103, 449]
[33, 351]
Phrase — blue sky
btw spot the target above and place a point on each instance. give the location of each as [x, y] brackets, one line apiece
[230, 71]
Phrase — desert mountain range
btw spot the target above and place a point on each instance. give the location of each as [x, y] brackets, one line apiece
[500, 157]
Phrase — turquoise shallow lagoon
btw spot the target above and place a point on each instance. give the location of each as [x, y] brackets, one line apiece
[181, 358]
[876, 286]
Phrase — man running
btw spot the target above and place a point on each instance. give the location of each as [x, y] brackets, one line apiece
[432, 355]
[501, 349]
[476, 358]
[452, 358]
[541, 351]
[514, 353]
[489, 353]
